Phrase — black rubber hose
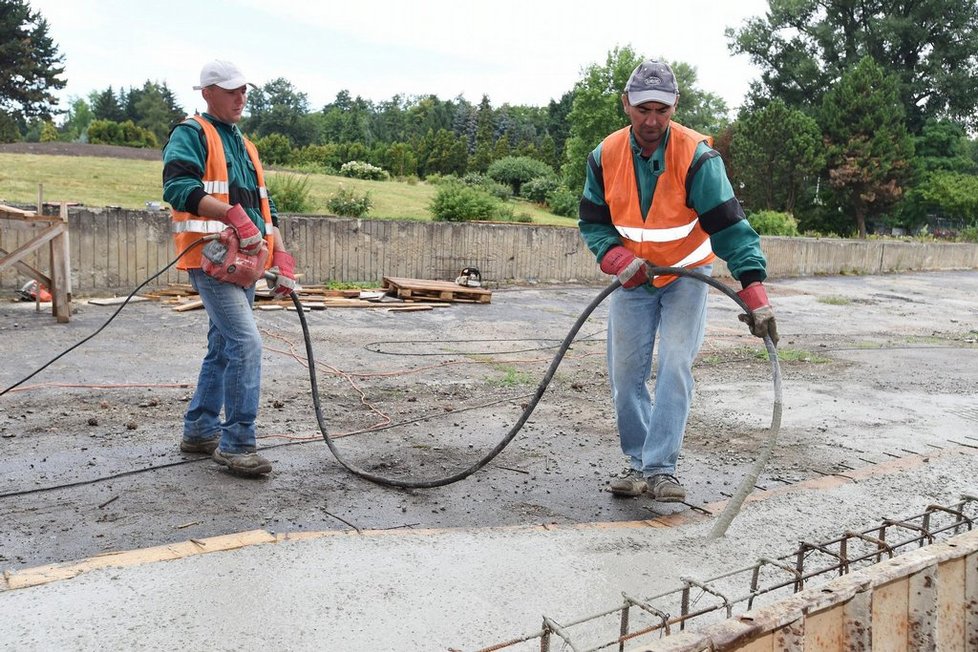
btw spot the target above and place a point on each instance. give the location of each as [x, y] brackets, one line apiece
[541, 387]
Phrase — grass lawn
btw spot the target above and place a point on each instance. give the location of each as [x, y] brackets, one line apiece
[95, 181]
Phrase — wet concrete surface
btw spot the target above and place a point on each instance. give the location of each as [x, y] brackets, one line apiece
[874, 369]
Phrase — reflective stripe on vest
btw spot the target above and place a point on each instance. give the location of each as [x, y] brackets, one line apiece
[189, 228]
[671, 235]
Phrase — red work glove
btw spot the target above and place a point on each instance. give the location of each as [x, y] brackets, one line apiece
[283, 267]
[629, 269]
[761, 317]
[249, 237]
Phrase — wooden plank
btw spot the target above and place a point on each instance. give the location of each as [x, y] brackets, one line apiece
[428, 290]
[189, 305]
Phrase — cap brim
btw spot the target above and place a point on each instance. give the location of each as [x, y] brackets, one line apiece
[641, 97]
[229, 85]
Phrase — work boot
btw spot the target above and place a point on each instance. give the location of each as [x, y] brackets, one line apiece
[666, 488]
[628, 483]
[204, 446]
[249, 465]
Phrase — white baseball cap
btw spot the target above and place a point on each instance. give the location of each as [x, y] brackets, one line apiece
[222, 73]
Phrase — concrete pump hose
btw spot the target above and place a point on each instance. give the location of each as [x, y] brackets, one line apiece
[733, 506]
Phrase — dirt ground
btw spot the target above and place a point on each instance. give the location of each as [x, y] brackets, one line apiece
[873, 368]
[82, 149]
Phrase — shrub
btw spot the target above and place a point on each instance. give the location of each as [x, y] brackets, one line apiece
[494, 188]
[274, 149]
[456, 202]
[362, 170]
[322, 156]
[537, 190]
[347, 202]
[290, 192]
[773, 223]
[108, 132]
[563, 202]
[514, 171]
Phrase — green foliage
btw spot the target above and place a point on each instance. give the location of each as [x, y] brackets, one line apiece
[773, 223]
[49, 133]
[326, 157]
[348, 202]
[274, 149]
[776, 152]
[107, 132]
[517, 170]
[498, 190]
[869, 148]
[803, 47]
[362, 170]
[944, 194]
[564, 202]
[456, 202]
[30, 65]
[278, 108]
[9, 132]
[596, 110]
[537, 190]
[290, 192]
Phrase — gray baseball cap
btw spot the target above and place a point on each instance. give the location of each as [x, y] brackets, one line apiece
[652, 81]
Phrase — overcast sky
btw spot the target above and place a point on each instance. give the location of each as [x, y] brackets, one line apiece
[515, 51]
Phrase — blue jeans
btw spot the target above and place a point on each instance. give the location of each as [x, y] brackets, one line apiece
[230, 375]
[651, 431]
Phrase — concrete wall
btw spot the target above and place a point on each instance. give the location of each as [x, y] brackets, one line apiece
[114, 250]
[926, 599]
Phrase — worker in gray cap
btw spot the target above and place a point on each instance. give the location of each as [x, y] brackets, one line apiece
[657, 194]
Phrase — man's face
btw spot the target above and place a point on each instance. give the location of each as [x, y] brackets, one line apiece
[649, 121]
[225, 105]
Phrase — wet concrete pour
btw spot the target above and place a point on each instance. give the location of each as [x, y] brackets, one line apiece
[875, 368]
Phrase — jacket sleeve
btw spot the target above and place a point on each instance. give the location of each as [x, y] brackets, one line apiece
[184, 158]
[594, 216]
[720, 214]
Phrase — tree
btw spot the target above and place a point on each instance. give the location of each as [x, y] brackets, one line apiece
[278, 108]
[697, 109]
[596, 110]
[868, 145]
[75, 126]
[776, 151]
[804, 46]
[30, 65]
[106, 106]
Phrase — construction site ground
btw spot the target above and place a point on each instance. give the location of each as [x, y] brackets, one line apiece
[880, 393]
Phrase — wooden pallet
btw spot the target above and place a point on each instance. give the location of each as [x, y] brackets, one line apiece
[415, 289]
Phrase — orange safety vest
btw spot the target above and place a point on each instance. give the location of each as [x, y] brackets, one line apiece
[671, 236]
[189, 228]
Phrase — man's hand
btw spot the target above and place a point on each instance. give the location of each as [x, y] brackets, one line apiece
[283, 267]
[761, 318]
[620, 262]
[249, 237]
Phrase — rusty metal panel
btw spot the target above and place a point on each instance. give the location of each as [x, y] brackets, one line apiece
[890, 606]
[857, 615]
[922, 609]
[971, 601]
[790, 638]
[825, 630]
[951, 606]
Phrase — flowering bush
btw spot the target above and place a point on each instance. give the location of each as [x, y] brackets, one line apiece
[362, 170]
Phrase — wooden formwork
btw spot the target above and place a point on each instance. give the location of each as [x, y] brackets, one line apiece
[53, 232]
[926, 599]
